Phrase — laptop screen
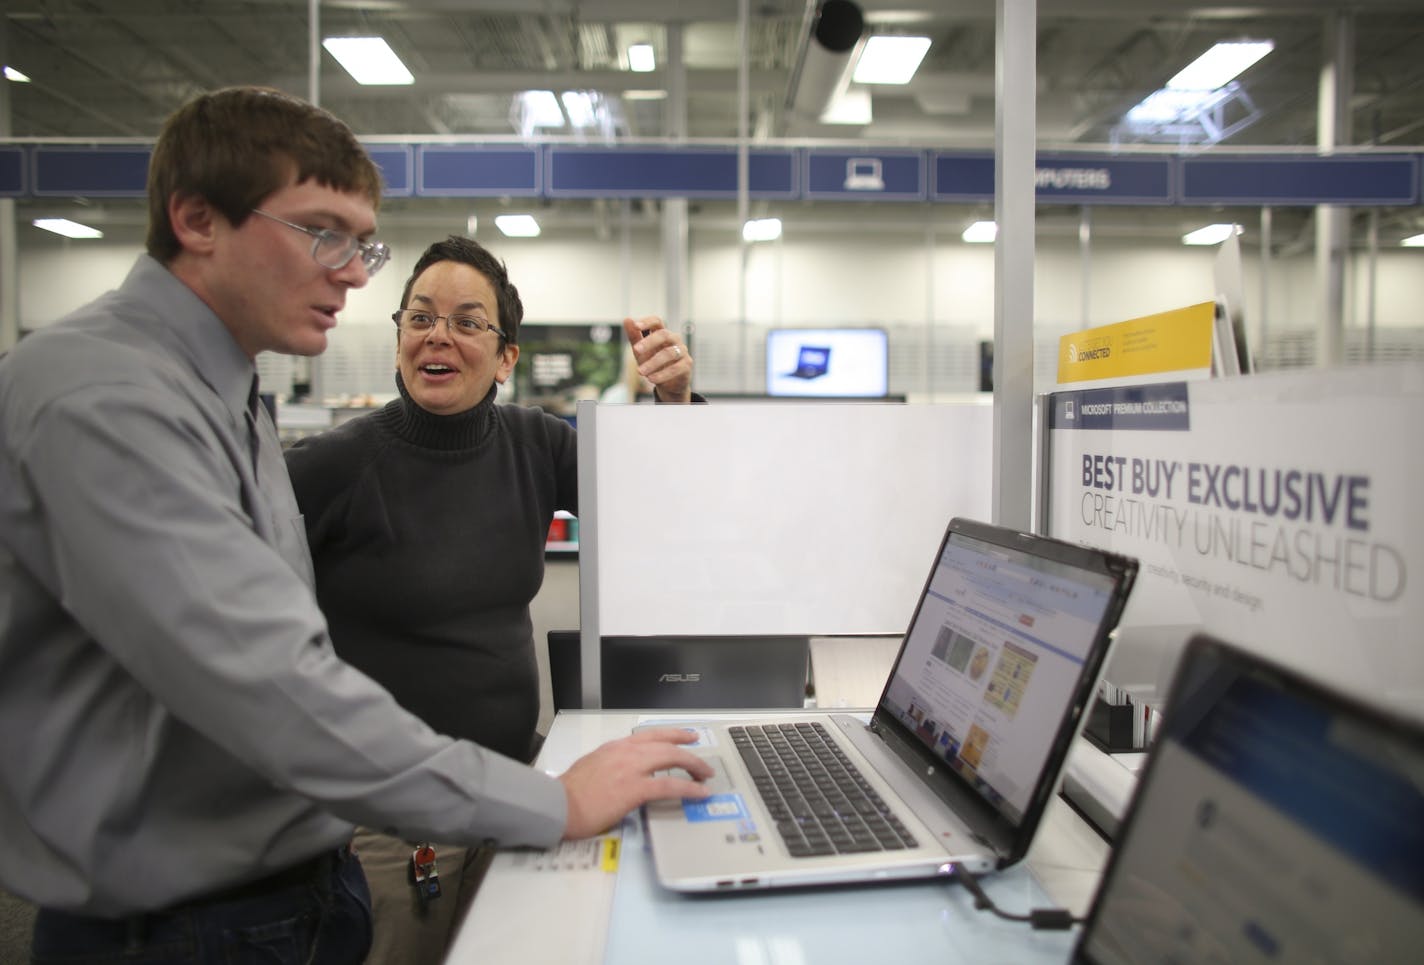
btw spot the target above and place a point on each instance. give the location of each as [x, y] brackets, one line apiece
[1275, 821]
[812, 357]
[993, 660]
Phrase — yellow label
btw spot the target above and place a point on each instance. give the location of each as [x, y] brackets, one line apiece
[1166, 342]
[608, 859]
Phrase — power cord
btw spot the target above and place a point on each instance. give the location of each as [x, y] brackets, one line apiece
[1049, 919]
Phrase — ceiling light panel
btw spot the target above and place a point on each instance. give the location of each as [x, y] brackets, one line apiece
[1164, 106]
[1212, 234]
[1215, 68]
[580, 106]
[981, 233]
[369, 60]
[538, 108]
[890, 60]
[641, 58]
[762, 229]
[70, 229]
[517, 225]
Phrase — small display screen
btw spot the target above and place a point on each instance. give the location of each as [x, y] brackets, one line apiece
[560, 365]
[828, 362]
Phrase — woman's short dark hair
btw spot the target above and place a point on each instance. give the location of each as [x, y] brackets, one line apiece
[236, 146]
[468, 251]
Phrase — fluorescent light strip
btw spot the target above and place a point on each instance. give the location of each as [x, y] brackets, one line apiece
[890, 60]
[1195, 85]
[762, 229]
[517, 225]
[1164, 106]
[369, 60]
[579, 104]
[70, 229]
[541, 108]
[981, 232]
[1215, 68]
[1413, 241]
[14, 75]
[1212, 234]
[641, 58]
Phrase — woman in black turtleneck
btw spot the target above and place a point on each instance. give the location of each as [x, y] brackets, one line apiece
[427, 521]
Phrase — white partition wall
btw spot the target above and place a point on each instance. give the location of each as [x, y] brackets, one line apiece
[1280, 511]
[767, 518]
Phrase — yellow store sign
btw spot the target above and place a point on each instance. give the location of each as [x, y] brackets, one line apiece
[1178, 341]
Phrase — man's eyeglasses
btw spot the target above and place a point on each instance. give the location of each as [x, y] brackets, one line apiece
[334, 249]
[417, 321]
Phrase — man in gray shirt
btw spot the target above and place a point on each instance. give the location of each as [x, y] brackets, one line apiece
[182, 756]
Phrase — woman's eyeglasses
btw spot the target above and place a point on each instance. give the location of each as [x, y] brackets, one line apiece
[417, 321]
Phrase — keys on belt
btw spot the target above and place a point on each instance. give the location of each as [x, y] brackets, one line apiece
[424, 878]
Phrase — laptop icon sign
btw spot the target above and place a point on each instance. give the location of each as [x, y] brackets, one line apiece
[864, 174]
[812, 362]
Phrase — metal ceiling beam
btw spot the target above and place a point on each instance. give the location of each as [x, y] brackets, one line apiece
[79, 107]
[512, 81]
[115, 77]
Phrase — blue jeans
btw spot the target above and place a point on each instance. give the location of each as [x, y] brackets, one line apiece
[326, 921]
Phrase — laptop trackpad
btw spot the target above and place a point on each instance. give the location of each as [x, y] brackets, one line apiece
[719, 783]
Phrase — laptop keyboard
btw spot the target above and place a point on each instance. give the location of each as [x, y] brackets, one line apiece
[820, 802]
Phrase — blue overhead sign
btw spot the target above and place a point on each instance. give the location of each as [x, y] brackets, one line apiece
[12, 172]
[865, 175]
[1103, 179]
[671, 172]
[1293, 180]
[397, 167]
[122, 170]
[107, 172]
[707, 170]
[1069, 178]
[961, 177]
[452, 171]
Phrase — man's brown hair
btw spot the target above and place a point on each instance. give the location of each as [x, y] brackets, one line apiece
[237, 145]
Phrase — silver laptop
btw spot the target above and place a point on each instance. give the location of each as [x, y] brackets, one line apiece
[961, 756]
[1275, 821]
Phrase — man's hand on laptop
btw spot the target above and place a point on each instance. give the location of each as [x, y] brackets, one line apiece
[621, 775]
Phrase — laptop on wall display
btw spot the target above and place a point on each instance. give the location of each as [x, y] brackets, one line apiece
[1274, 821]
[963, 752]
[812, 362]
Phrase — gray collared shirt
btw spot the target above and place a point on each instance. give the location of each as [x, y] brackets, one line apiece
[172, 716]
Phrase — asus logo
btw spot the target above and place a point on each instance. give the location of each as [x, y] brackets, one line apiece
[679, 678]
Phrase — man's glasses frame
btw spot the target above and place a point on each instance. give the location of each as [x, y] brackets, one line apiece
[334, 249]
[417, 321]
